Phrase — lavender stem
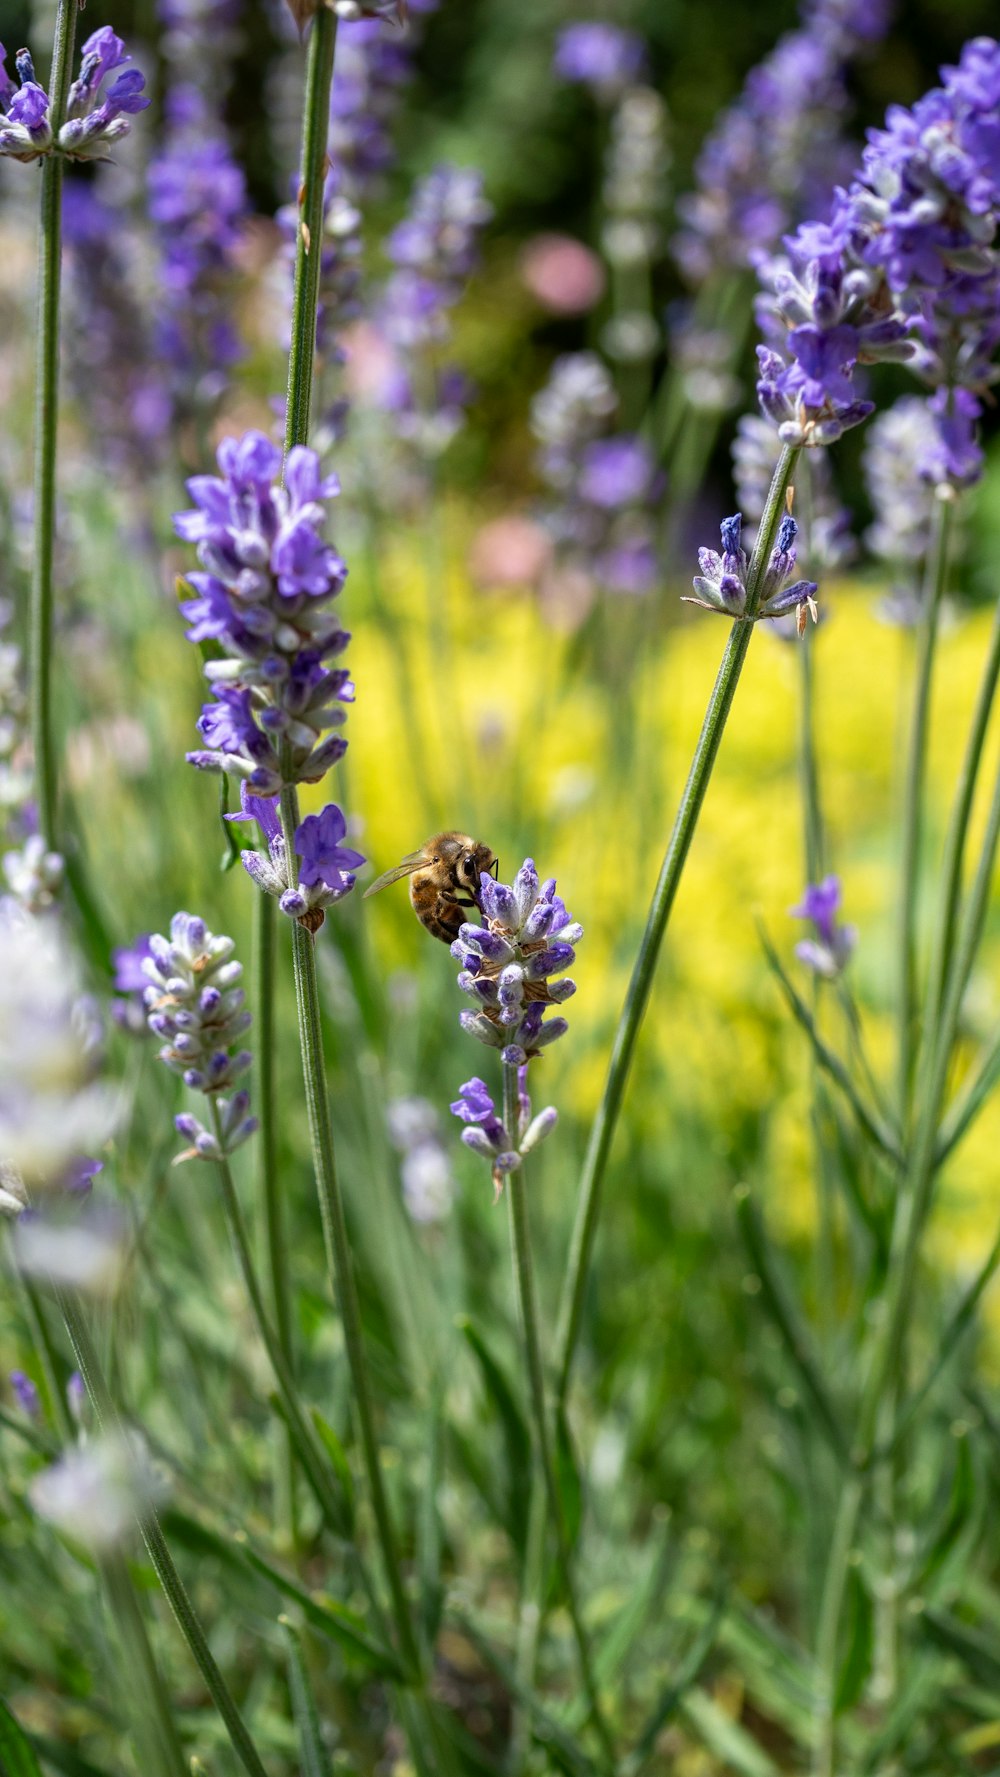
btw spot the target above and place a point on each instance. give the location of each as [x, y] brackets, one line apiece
[46, 431]
[644, 970]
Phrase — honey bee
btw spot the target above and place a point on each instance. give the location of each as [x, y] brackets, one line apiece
[444, 881]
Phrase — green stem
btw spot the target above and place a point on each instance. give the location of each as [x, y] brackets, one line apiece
[529, 1623]
[48, 1358]
[278, 1282]
[340, 1263]
[958, 826]
[640, 985]
[827, 1637]
[913, 802]
[309, 242]
[525, 1283]
[301, 1434]
[46, 431]
[173, 1586]
[147, 1697]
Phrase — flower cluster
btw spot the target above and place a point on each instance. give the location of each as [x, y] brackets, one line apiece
[434, 249]
[606, 485]
[111, 359]
[635, 172]
[197, 204]
[266, 597]
[829, 952]
[899, 459]
[510, 961]
[94, 118]
[372, 69]
[755, 452]
[904, 268]
[53, 1108]
[425, 1170]
[194, 1004]
[722, 584]
[486, 1133]
[326, 869]
[600, 56]
[775, 155]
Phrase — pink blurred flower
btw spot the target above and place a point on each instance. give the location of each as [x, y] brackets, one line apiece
[562, 274]
[371, 366]
[509, 551]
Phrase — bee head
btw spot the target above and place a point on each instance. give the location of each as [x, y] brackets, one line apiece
[471, 863]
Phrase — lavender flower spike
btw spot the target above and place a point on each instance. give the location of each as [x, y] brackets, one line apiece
[600, 56]
[486, 1134]
[830, 951]
[722, 584]
[194, 1003]
[509, 963]
[266, 598]
[94, 118]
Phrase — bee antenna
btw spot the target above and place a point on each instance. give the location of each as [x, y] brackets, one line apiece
[495, 872]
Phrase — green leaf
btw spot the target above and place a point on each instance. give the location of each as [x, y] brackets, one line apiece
[674, 1690]
[725, 1737]
[429, 1527]
[957, 1522]
[778, 1300]
[17, 1755]
[978, 1652]
[517, 1438]
[313, 1756]
[856, 1663]
[338, 1457]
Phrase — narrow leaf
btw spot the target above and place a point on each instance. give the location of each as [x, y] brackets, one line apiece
[338, 1458]
[674, 1691]
[725, 1737]
[867, 1120]
[778, 1300]
[568, 1480]
[856, 1663]
[517, 1438]
[17, 1755]
[313, 1756]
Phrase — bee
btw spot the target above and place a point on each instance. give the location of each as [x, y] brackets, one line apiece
[444, 881]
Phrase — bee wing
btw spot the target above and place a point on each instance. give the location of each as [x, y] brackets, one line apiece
[413, 861]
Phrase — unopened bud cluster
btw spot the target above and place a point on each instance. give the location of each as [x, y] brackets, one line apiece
[194, 1003]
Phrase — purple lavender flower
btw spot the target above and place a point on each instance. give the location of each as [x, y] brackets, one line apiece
[372, 69]
[435, 249]
[194, 1003]
[599, 56]
[899, 463]
[830, 951]
[112, 364]
[510, 961]
[606, 487]
[266, 597]
[324, 859]
[486, 1135]
[197, 203]
[426, 1173]
[776, 153]
[906, 268]
[93, 119]
[25, 1394]
[755, 452]
[722, 584]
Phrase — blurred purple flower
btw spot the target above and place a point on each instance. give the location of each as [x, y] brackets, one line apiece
[829, 952]
[600, 56]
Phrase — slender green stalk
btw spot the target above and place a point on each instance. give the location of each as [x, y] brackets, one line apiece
[827, 1638]
[338, 1251]
[644, 970]
[146, 1694]
[309, 242]
[46, 432]
[958, 826]
[302, 1435]
[524, 1279]
[529, 1622]
[913, 802]
[173, 1586]
[275, 1250]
